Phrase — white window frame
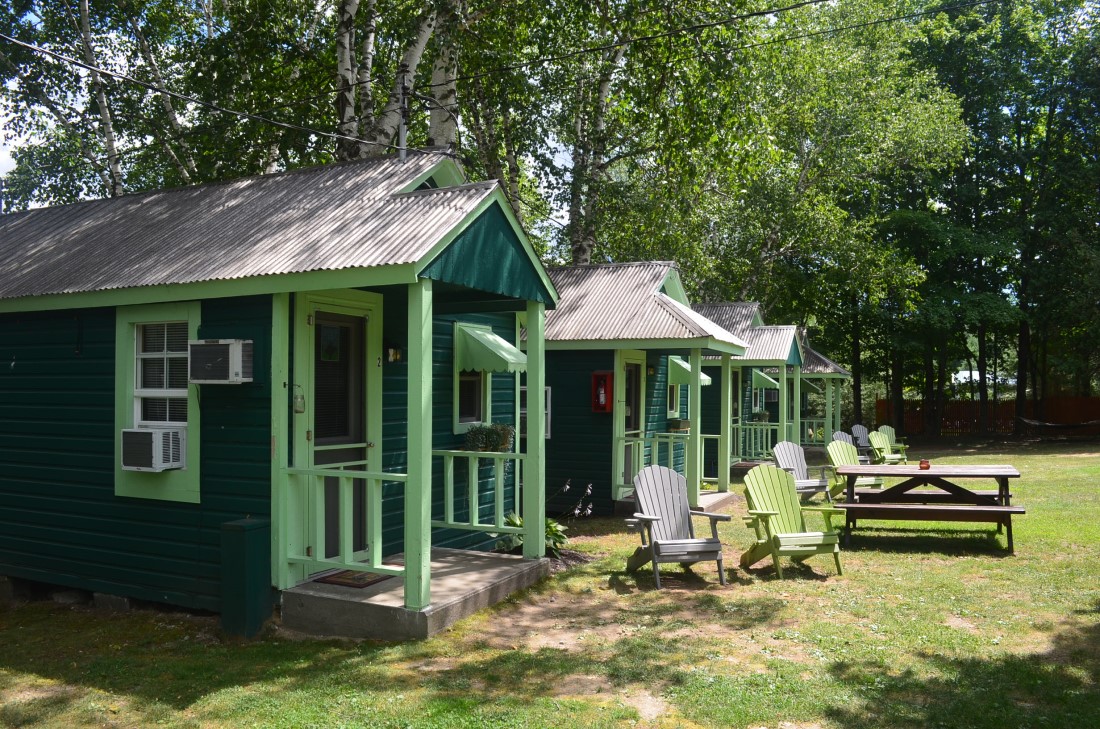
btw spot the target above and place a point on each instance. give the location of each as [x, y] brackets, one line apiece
[140, 393]
[182, 484]
[673, 405]
[461, 426]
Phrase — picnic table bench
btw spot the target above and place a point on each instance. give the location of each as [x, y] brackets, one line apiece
[946, 500]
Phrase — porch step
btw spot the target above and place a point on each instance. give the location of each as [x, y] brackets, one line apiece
[463, 582]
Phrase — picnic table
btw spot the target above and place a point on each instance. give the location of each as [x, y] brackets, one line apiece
[946, 500]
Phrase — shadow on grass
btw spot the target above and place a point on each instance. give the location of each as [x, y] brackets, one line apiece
[914, 540]
[1055, 688]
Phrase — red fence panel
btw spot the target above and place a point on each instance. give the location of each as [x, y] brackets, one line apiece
[961, 417]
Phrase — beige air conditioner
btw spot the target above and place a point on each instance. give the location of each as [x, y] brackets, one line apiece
[219, 361]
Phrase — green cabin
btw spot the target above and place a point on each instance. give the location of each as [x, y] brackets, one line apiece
[624, 354]
[213, 395]
[782, 388]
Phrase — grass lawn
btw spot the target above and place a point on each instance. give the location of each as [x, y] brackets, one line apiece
[930, 626]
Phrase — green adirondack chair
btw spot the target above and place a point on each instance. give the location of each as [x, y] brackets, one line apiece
[842, 453]
[897, 445]
[881, 451]
[777, 518]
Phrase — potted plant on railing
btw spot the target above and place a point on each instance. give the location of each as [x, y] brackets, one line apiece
[491, 437]
[760, 415]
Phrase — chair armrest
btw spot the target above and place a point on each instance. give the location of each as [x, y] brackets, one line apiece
[789, 469]
[761, 512]
[824, 509]
[712, 516]
[646, 517]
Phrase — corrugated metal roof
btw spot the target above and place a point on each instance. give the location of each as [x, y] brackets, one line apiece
[733, 316]
[321, 218]
[770, 343]
[816, 363]
[623, 301]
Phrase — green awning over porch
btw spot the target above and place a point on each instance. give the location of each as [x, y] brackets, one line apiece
[480, 350]
[760, 379]
[679, 373]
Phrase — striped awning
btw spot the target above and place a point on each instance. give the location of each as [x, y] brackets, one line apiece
[478, 349]
[679, 373]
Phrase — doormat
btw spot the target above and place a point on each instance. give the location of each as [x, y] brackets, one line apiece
[352, 578]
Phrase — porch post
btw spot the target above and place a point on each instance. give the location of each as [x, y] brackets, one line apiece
[725, 435]
[838, 393]
[829, 429]
[534, 472]
[784, 405]
[418, 486]
[796, 415]
[692, 456]
[280, 425]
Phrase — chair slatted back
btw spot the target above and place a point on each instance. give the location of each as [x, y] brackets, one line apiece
[768, 488]
[842, 454]
[880, 445]
[790, 455]
[844, 437]
[890, 433]
[859, 432]
[663, 492]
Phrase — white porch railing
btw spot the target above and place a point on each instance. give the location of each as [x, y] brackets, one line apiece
[757, 439]
[813, 431]
[464, 482]
[637, 452]
[307, 488]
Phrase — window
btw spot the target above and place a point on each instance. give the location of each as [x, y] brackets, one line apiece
[523, 412]
[478, 353]
[160, 379]
[674, 401]
[472, 407]
[152, 391]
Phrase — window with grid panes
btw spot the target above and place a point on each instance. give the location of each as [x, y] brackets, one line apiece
[160, 382]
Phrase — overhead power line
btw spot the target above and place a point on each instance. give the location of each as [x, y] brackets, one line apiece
[191, 99]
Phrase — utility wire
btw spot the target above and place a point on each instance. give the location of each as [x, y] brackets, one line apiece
[192, 99]
[629, 41]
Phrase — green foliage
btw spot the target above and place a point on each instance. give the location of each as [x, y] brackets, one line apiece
[490, 437]
[554, 535]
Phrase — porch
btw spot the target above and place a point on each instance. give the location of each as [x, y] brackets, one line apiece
[463, 582]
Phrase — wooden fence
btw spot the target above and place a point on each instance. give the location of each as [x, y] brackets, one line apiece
[960, 417]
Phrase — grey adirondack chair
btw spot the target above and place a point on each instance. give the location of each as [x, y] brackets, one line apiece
[859, 432]
[881, 451]
[897, 445]
[792, 458]
[664, 521]
[841, 453]
[847, 438]
[779, 522]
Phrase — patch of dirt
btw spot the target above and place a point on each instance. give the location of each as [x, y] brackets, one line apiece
[648, 706]
[35, 693]
[961, 624]
[567, 559]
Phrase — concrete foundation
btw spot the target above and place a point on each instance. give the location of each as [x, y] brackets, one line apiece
[463, 582]
[110, 603]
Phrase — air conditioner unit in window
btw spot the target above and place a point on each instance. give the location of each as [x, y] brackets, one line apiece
[220, 361]
[153, 449]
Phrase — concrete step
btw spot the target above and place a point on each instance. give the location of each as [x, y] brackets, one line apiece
[463, 582]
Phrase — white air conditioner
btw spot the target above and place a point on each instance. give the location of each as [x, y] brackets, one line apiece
[153, 449]
[219, 361]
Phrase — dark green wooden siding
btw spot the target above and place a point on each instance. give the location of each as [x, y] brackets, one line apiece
[395, 422]
[490, 238]
[579, 450]
[60, 521]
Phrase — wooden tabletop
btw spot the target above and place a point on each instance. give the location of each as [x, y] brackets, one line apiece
[944, 471]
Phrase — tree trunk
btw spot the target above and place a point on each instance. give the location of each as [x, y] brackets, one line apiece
[347, 77]
[857, 365]
[983, 383]
[897, 388]
[106, 125]
[442, 117]
[1023, 356]
[928, 392]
